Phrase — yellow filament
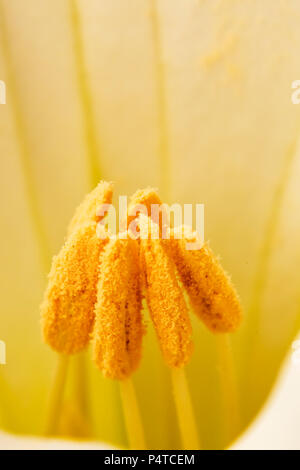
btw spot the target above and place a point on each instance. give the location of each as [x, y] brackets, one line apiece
[184, 409]
[133, 422]
[81, 391]
[229, 388]
[56, 397]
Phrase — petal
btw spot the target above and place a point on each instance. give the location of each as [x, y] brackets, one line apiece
[278, 425]
[118, 331]
[68, 307]
[11, 442]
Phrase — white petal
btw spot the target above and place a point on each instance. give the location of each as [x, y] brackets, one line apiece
[278, 427]
[10, 442]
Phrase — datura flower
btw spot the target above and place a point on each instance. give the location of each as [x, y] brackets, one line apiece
[95, 290]
[148, 93]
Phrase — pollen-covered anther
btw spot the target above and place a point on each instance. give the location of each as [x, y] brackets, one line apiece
[88, 210]
[118, 330]
[212, 294]
[68, 306]
[165, 299]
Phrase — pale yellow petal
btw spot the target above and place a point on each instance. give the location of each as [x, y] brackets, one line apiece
[14, 442]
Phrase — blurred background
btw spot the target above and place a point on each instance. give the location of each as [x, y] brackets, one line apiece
[192, 97]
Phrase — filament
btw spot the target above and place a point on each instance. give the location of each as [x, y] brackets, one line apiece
[229, 388]
[81, 389]
[132, 417]
[184, 409]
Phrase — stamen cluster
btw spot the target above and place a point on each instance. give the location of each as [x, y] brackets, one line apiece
[96, 286]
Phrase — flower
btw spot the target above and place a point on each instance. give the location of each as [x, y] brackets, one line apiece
[170, 94]
[96, 286]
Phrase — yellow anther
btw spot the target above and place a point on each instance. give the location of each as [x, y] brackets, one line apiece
[166, 301]
[212, 293]
[87, 210]
[118, 330]
[68, 307]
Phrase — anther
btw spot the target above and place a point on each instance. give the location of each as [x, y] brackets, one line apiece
[211, 291]
[118, 330]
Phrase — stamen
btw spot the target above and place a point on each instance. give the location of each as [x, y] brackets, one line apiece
[185, 412]
[170, 318]
[212, 294]
[68, 307]
[166, 302]
[118, 331]
[67, 310]
[215, 301]
[133, 422]
[87, 210]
